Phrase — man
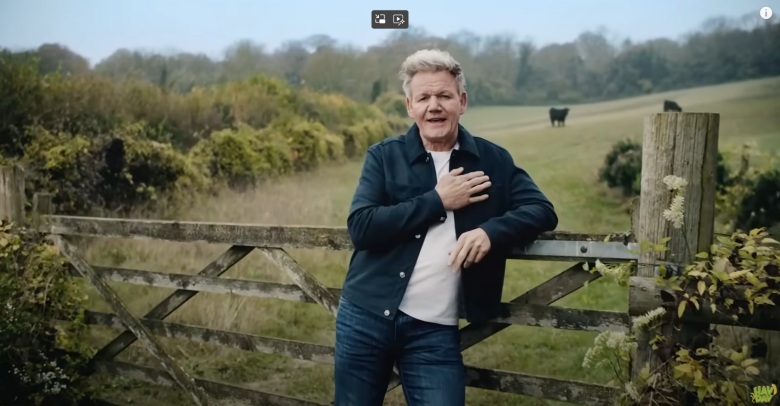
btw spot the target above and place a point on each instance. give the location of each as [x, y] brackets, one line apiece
[432, 219]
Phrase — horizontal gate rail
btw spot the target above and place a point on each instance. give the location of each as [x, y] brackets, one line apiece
[216, 389]
[551, 246]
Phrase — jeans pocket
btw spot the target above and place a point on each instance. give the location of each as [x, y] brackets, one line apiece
[345, 313]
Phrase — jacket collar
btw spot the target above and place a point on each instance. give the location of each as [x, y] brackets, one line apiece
[415, 149]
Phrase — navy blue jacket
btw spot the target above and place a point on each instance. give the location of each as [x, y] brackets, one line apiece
[395, 203]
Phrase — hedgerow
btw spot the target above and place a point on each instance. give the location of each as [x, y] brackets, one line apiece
[103, 145]
[42, 361]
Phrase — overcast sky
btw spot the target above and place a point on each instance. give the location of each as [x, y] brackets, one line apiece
[96, 28]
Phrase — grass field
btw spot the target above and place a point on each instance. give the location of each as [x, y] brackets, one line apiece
[563, 161]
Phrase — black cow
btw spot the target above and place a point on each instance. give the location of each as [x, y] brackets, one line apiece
[670, 105]
[558, 115]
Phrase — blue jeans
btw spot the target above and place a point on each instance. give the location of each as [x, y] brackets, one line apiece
[427, 355]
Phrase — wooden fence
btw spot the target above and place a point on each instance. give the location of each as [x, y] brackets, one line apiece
[682, 144]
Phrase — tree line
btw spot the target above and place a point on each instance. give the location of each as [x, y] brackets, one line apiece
[501, 70]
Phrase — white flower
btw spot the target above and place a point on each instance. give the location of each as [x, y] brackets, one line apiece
[606, 343]
[674, 213]
[632, 392]
[616, 340]
[645, 319]
[675, 183]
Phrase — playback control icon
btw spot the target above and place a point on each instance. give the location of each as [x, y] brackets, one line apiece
[390, 19]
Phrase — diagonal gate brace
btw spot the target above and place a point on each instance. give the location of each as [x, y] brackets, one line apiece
[313, 288]
[546, 293]
[178, 374]
[308, 283]
[216, 268]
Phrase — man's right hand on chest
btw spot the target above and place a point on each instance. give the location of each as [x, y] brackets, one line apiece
[457, 189]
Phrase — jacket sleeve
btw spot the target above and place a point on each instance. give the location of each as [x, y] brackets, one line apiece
[530, 213]
[373, 225]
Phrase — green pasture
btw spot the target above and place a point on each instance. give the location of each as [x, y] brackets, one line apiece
[563, 161]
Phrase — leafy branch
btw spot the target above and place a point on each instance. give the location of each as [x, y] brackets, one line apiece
[739, 275]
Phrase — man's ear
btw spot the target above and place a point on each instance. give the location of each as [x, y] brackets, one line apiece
[409, 107]
[464, 102]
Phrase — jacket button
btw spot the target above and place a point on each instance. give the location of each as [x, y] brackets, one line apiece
[402, 275]
[427, 158]
[387, 312]
[417, 236]
[442, 218]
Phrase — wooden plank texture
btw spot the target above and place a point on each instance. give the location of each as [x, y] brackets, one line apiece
[529, 314]
[564, 318]
[308, 283]
[42, 205]
[548, 292]
[179, 375]
[500, 381]
[211, 284]
[246, 342]
[268, 345]
[580, 393]
[219, 390]
[12, 194]
[683, 145]
[259, 235]
[175, 300]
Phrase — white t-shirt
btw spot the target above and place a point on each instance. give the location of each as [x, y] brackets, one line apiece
[432, 293]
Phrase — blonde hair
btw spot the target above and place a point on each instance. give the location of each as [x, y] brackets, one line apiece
[431, 60]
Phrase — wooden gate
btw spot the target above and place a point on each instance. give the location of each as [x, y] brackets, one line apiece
[690, 138]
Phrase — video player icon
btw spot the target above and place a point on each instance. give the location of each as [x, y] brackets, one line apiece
[399, 19]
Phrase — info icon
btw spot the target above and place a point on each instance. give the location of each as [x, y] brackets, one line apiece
[390, 19]
[765, 13]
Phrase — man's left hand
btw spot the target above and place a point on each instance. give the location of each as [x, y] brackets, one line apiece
[472, 246]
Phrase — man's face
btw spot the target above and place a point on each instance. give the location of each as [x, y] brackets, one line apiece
[435, 105]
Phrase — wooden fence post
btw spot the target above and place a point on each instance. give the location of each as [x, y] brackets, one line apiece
[12, 194]
[42, 206]
[684, 145]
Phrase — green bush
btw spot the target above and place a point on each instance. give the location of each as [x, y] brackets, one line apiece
[392, 103]
[358, 137]
[750, 196]
[146, 171]
[622, 167]
[761, 204]
[63, 165]
[723, 176]
[242, 156]
[307, 140]
[41, 362]
[112, 172]
[256, 101]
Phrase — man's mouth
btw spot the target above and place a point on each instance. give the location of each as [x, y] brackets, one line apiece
[437, 120]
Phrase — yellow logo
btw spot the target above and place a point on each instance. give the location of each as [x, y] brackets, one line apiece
[763, 394]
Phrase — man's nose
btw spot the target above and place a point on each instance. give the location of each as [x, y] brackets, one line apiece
[435, 105]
